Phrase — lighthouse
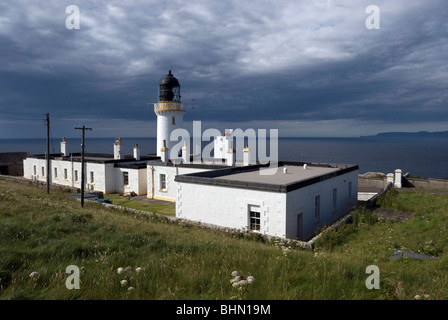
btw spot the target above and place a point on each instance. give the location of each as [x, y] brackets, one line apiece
[169, 110]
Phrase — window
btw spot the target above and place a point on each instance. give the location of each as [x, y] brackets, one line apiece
[76, 175]
[254, 218]
[92, 177]
[335, 199]
[35, 170]
[43, 171]
[317, 208]
[162, 182]
[125, 178]
[173, 121]
[350, 190]
[65, 174]
[55, 173]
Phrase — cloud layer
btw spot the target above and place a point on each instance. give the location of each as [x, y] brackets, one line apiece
[311, 66]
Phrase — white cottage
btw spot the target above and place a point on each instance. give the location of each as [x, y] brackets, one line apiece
[292, 203]
[103, 172]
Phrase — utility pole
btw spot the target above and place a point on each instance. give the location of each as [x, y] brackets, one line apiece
[83, 128]
[48, 152]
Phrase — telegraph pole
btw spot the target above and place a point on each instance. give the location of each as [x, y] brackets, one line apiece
[48, 152]
[83, 128]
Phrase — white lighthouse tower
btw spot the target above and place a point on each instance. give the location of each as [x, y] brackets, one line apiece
[169, 110]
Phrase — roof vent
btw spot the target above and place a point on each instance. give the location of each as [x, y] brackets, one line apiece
[285, 170]
[305, 166]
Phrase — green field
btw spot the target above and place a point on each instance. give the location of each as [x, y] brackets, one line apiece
[46, 233]
[165, 209]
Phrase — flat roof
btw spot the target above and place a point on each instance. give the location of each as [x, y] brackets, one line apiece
[294, 174]
[249, 177]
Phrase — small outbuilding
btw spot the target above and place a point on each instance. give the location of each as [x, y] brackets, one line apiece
[11, 163]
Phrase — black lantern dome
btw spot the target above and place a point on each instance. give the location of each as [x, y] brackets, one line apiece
[169, 88]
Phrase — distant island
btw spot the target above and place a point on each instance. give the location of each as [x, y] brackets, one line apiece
[420, 134]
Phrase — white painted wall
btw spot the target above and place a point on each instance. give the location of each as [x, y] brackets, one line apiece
[171, 186]
[165, 127]
[221, 145]
[303, 200]
[229, 207]
[137, 181]
[107, 178]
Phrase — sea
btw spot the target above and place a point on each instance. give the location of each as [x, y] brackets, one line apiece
[420, 156]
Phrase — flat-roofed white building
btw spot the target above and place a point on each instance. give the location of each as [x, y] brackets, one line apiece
[292, 203]
[102, 172]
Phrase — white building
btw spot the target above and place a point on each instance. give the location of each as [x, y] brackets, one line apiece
[295, 202]
[103, 172]
[290, 205]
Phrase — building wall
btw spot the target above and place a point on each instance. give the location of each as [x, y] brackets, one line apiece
[221, 145]
[101, 180]
[229, 207]
[302, 201]
[136, 178]
[12, 169]
[169, 194]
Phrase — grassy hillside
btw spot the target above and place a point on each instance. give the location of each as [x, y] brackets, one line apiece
[165, 209]
[46, 233]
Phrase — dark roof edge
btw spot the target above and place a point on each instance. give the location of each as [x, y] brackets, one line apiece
[107, 158]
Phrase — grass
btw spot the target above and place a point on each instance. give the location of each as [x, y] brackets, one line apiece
[160, 208]
[47, 233]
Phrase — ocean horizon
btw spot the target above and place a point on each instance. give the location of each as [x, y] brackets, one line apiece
[421, 157]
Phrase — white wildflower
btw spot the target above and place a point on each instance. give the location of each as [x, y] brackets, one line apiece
[34, 274]
[250, 279]
[242, 282]
[417, 297]
[130, 289]
[235, 274]
[124, 282]
[128, 269]
[427, 296]
[138, 270]
[236, 279]
[120, 270]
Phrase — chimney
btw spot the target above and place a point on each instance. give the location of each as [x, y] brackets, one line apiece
[136, 152]
[398, 178]
[197, 151]
[164, 152]
[390, 178]
[230, 155]
[117, 149]
[64, 147]
[185, 153]
[247, 161]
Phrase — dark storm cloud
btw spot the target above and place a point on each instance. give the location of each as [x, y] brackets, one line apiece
[266, 62]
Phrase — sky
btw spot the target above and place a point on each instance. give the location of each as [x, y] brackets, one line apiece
[306, 68]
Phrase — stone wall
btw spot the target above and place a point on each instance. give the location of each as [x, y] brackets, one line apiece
[427, 183]
[364, 182]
